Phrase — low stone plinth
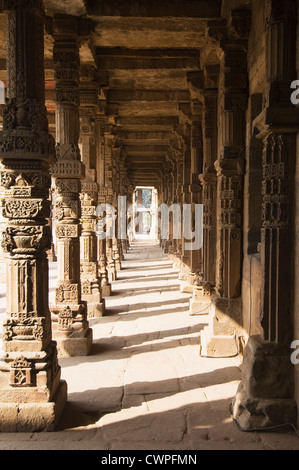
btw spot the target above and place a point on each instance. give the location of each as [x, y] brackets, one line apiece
[106, 290]
[75, 346]
[220, 338]
[71, 330]
[33, 417]
[264, 398]
[200, 302]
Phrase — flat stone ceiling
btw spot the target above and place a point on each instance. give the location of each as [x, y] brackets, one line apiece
[142, 51]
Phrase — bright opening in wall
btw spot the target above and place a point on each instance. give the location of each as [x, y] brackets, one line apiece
[145, 213]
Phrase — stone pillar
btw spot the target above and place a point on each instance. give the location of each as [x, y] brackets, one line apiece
[90, 281]
[186, 199]
[178, 188]
[203, 289]
[221, 337]
[265, 396]
[69, 315]
[169, 181]
[102, 193]
[208, 180]
[32, 396]
[108, 145]
[196, 190]
[124, 205]
[116, 242]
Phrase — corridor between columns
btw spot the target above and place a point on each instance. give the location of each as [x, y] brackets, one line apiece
[145, 386]
[193, 101]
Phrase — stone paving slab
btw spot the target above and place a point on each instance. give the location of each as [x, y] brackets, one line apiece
[145, 386]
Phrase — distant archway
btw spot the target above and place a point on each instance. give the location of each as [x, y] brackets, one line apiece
[145, 213]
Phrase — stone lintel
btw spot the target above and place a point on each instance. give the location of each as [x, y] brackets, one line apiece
[179, 9]
[153, 63]
[148, 95]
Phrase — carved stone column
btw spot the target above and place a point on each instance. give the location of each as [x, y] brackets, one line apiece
[102, 193]
[168, 181]
[196, 192]
[186, 199]
[69, 315]
[116, 242]
[123, 190]
[90, 281]
[265, 395]
[32, 395]
[221, 337]
[178, 195]
[110, 229]
[209, 181]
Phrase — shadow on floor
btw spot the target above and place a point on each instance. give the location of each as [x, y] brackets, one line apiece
[123, 347]
[147, 290]
[91, 405]
[131, 308]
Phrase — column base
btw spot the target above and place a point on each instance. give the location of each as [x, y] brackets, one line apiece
[72, 347]
[117, 266]
[176, 263]
[96, 310]
[258, 414]
[106, 290]
[112, 276]
[184, 269]
[221, 337]
[33, 417]
[264, 398]
[95, 305]
[70, 329]
[200, 302]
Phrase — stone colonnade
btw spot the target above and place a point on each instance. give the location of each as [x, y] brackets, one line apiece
[34, 334]
[205, 164]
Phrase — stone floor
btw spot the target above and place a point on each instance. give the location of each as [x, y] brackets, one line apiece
[145, 386]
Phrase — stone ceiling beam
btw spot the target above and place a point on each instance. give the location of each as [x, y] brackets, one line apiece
[161, 53]
[146, 148]
[147, 121]
[146, 62]
[116, 96]
[155, 8]
[147, 135]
